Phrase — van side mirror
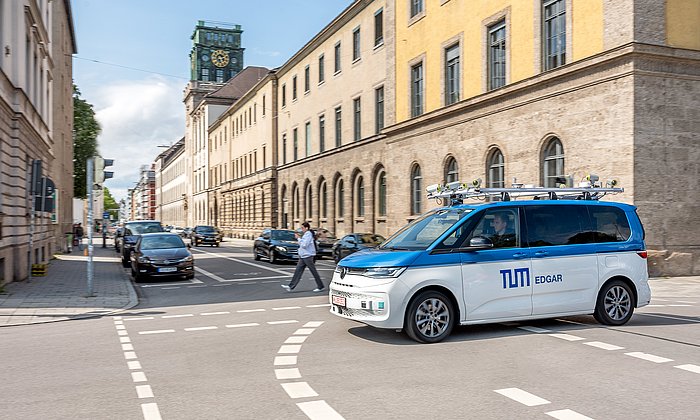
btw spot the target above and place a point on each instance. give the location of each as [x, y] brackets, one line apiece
[480, 242]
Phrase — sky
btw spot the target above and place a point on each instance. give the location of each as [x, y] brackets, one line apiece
[133, 64]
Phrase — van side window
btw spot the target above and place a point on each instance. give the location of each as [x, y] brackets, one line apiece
[557, 225]
[501, 226]
[609, 224]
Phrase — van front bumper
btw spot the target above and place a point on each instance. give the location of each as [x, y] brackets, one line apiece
[371, 305]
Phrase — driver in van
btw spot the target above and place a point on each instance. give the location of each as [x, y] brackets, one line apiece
[504, 235]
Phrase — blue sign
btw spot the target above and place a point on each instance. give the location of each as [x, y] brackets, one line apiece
[105, 215]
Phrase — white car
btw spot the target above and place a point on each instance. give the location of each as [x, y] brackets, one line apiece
[178, 230]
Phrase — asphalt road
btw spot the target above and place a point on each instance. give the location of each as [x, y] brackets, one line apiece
[232, 344]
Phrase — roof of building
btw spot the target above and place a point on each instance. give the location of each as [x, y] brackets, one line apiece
[241, 83]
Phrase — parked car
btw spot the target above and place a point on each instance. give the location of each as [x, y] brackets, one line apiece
[132, 231]
[118, 237]
[161, 255]
[324, 242]
[276, 245]
[220, 234]
[178, 230]
[186, 232]
[205, 235]
[355, 242]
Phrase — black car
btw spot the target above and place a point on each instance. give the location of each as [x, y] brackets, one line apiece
[324, 242]
[276, 245]
[355, 242]
[130, 235]
[161, 255]
[118, 236]
[205, 235]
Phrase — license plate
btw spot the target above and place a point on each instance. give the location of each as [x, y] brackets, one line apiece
[167, 269]
[338, 300]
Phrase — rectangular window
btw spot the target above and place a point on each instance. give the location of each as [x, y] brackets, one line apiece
[205, 75]
[263, 105]
[357, 119]
[417, 90]
[308, 138]
[554, 33]
[379, 28]
[284, 95]
[219, 76]
[337, 58]
[322, 133]
[321, 69]
[356, 44]
[378, 109]
[452, 74]
[284, 148]
[338, 127]
[295, 137]
[264, 156]
[307, 79]
[294, 88]
[416, 7]
[497, 55]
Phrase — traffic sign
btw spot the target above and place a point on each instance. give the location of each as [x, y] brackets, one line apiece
[105, 215]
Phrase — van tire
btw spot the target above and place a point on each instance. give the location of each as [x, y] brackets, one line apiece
[430, 317]
[615, 304]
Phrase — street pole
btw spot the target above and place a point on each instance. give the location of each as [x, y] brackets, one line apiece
[90, 173]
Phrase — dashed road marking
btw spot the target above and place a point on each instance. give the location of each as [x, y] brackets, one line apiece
[319, 306]
[156, 332]
[144, 318]
[299, 390]
[202, 328]
[290, 349]
[250, 324]
[215, 313]
[523, 397]
[567, 337]
[313, 324]
[177, 316]
[534, 329]
[284, 308]
[138, 377]
[128, 355]
[289, 321]
[649, 357]
[144, 391]
[604, 346]
[290, 373]
[303, 331]
[296, 339]
[245, 311]
[150, 411]
[689, 368]
[319, 410]
[127, 347]
[123, 332]
[669, 317]
[134, 364]
[285, 360]
[208, 274]
[124, 340]
[567, 415]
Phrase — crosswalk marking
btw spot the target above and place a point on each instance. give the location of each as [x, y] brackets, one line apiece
[523, 397]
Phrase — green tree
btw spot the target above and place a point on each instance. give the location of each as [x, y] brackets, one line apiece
[86, 129]
[110, 203]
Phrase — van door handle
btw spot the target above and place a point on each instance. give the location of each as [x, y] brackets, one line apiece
[519, 255]
[541, 254]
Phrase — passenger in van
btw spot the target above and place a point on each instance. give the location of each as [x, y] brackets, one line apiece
[504, 235]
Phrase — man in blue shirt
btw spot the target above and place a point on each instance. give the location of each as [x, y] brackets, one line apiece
[307, 252]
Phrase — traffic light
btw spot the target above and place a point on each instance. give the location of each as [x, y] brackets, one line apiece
[100, 173]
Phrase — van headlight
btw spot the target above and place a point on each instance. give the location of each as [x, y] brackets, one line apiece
[383, 272]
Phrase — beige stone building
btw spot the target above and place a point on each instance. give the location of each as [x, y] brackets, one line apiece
[36, 121]
[171, 185]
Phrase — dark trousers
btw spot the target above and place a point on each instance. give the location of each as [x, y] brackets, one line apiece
[301, 265]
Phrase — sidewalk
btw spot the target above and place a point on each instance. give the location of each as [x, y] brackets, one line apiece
[61, 294]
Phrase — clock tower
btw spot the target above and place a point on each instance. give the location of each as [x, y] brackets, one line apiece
[216, 54]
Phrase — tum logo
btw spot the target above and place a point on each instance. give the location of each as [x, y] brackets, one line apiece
[518, 277]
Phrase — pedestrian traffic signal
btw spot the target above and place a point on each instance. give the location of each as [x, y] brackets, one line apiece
[100, 174]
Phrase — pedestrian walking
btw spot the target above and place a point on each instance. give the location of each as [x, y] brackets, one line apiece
[307, 254]
[78, 234]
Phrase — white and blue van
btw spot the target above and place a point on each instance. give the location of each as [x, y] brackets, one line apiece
[496, 262]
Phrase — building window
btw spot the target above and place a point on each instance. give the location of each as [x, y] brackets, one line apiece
[219, 76]
[294, 88]
[321, 69]
[295, 138]
[360, 195]
[497, 55]
[452, 74]
[322, 133]
[554, 33]
[338, 127]
[416, 190]
[308, 200]
[356, 44]
[340, 195]
[552, 162]
[381, 194]
[495, 169]
[284, 95]
[451, 170]
[337, 58]
[205, 75]
[417, 90]
[295, 204]
[284, 148]
[323, 197]
[263, 105]
[379, 28]
[308, 138]
[378, 109]
[416, 7]
[357, 119]
[307, 79]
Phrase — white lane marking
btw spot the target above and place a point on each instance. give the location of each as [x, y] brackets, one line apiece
[150, 411]
[303, 331]
[655, 306]
[684, 301]
[120, 327]
[313, 324]
[567, 415]
[290, 349]
[291, 373]
[284, 308]
[689, 368]
[127, 347]
[256, 279]
[128, 355]
[118, 322]
[270, 281]
[194, 287]
[191, 281]
[648, 357]
[296, 339]
[246, 262]
[670, 317]
[318, 306]
[290, 321]
[285, 360]
[138, 318]
[215, 313]
[208, 274]
[523, 397]
[319, 410]
[679, 305]
[170, 288]
[156, 332]
[144, 391]
[124, 340]
[133, 365]
[299, 390]
[177, 316]
[604, 346]
[245, 311]
[567, 337]
[138, 377]
[122, 332]
[534, 329]
[117, 318]
[201, 328]
[251, 324]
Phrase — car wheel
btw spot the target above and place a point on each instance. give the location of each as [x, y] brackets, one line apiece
[430, 317]
[273, 259]
[615, 304]
[256, 256]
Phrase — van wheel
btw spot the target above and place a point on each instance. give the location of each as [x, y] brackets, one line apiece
[430, 317]
[615, 304]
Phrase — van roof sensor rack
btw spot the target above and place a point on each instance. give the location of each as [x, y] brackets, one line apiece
[590, 188]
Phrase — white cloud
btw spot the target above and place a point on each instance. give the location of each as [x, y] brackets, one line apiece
[136, 117]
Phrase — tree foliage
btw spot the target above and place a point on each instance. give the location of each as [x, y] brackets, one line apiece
[109, 203]
[86, 130]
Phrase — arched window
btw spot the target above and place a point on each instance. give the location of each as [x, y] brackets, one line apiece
[360, 197]
[323, 203]
[381, 193]
[495, 170]
[297, 213]
[552, 162]
[308, 203]
[285, 209]
[416, 190]
[451, 170]
[340, 195]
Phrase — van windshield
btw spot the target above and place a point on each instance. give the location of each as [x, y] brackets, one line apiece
[419, 234]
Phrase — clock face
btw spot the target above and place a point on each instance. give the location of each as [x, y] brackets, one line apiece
[205, 58]
[220, 58]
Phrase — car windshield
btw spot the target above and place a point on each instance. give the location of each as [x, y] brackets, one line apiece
[283, 235]
[370, 239]
[324, 234]
[161, 242]
[419, 234]
[205, 229]
[141, 228]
